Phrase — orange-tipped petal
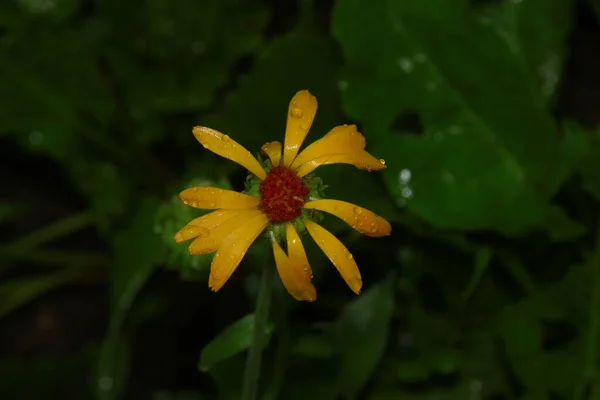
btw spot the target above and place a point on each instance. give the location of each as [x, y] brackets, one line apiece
[210, 198]
[293, 276]
[212, 239]
[200, 226]
[301, 114]
[337, 253]
[362, 160]
[360, 219]
[226, 147]
[232, 250]
[273, 150]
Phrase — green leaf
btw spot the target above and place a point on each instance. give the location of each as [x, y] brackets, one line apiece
[488, 143]
[360, 336]
[294, 62]
[232, 341]
[138, 251]
[536, 33]
[166, 34]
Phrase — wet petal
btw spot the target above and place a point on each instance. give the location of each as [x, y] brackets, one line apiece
[361, 160]
[203, 224]
[273, 150]
[337, 253]
[210, 240]
[232, 250]
[296, 249]
[226, 147]
[301, 114]
[342, 145]
[340, 140]
[360, 219]
[293, 276]
[208, 198]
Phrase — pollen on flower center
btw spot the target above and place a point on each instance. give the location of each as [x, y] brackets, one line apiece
[282, 194]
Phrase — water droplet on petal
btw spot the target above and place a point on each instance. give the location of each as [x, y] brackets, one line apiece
[374, 229]
[194, 189]
[225, 138]
[358, 210]
[296, 113]
[349, 256]
[382, 161]
[194, 204]
[206, 146]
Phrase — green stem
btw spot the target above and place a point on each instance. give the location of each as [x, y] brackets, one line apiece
[261, 318]
[62, 227]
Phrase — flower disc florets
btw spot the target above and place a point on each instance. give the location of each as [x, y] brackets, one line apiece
[282, 195]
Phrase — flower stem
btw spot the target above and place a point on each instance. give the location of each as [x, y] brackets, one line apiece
[261, 318]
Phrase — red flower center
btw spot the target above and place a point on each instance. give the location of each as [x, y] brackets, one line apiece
[282, 195]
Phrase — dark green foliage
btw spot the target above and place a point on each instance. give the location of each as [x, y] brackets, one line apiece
[488, 287]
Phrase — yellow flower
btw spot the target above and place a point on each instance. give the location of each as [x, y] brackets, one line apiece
[284, 200]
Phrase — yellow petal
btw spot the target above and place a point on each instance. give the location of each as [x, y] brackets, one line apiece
[293, 276]
[226, 147]
[362, 160]
[296, 249]
[211, 240]
[340, 140]
[208, 198]
[337, 253]
[360, 219]
[200, 226]
[273, 150]
[232, 250]
[301, 114]
[342, 145]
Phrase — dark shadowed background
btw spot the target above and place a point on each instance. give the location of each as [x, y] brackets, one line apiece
[486, 112]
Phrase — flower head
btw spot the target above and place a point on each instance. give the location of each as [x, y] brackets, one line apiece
[284, 199]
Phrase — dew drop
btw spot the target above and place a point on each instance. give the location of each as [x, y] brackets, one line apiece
[304, 127]
[406, 192]
[358, 210]
[36, 137]
[206, 145]
[349, 256]
[430, 86]
[420, 58]
[194, 204]
[212, 192]
[296, 113]
[405, 176]
[225, 138]
[105, 383]
[405, 64]
[374, 229]
[455, 130]
[382, 161]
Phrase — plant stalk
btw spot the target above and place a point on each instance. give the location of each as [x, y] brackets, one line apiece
[261, 319]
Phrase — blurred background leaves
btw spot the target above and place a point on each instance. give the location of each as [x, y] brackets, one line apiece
[486, 112]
